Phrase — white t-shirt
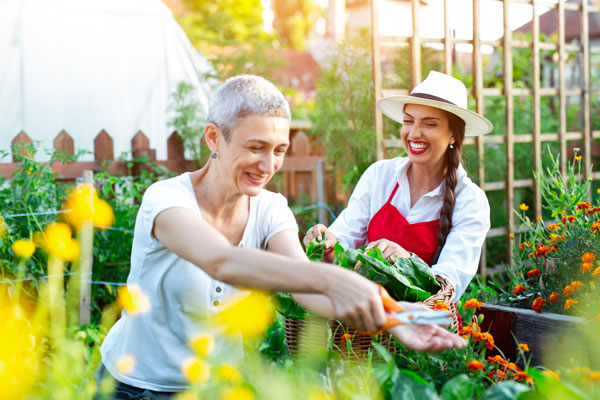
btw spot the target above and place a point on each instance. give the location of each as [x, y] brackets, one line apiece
[181, 293]
[459, 258]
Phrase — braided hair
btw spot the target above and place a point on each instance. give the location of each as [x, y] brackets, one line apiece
[451, 162]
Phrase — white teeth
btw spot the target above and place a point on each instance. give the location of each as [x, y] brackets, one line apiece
[418, 146]
[257, 177]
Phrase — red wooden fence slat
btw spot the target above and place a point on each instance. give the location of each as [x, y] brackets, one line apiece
[24, 139]
[103, 147]
[64, 142]
[175, 147]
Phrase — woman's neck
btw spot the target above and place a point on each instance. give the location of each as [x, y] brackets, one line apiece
[422, 180]
[214, 198]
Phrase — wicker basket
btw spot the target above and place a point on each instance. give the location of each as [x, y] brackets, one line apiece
[304, 336]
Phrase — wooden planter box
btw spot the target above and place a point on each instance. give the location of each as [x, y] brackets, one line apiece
[544, 333]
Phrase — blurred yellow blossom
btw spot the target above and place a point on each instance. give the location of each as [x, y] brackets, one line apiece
[3, 227]
[203, 344]
[196, 370]
[523, 346]
[577, 158]
[511, 235]
[523, 207]
[228, 373]
[59, 243]
[249, 314]
[83, 204]
[132, 299]
[551, 374]
[239, 393]
[318, 394]
[23, 248]
[125, 364]
[19, 358]
[569, 303]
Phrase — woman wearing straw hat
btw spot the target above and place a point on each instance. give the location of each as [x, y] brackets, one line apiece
[422, 204]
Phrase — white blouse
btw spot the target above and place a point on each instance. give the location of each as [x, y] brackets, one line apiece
[459, 258]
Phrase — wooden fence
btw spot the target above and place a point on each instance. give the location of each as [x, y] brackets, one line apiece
[300, 170]
[509, 137]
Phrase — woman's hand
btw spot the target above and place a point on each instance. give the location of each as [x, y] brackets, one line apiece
[318, 231]
[429, 338]
[389, 249]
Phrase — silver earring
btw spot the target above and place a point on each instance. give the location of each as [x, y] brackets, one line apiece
[213, 155]
[451, 146]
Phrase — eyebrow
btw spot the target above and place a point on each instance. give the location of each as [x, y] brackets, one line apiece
[425, 118]
[265, 142]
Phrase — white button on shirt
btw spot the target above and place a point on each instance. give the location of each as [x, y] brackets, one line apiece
[459, 258]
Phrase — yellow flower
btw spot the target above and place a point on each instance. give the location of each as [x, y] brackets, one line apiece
[228, 373]
[19, 357]
[249, 314]
[593, 284]
[196, 370]
[596, 272]
[538, 218]
[569, 303]
[551, 374]
[598, 191]
[240, 393]
[318, 394]
[59, 243]
[132, 299]
[511, 235]
[578, 158]
[83, 204]
[594, 376]
[203, 344]
[125, 364]
[523, 207]
[23, 248]
[523, 346]
[3, 228]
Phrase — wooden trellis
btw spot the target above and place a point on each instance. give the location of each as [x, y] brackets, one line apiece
[479, 92]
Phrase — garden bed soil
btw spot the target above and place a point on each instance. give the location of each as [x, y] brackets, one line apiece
[544, 333]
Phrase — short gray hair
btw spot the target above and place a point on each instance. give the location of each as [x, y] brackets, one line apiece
[244, 95]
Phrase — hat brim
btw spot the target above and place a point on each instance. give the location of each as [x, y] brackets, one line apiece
[475, 124]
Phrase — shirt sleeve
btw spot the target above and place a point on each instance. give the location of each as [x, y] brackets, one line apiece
[279, 218]
[160, 196]
[351, 226]
[459, 258]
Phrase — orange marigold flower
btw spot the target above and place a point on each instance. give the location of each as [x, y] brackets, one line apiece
[596, 272]
[592, 211]
[511, 235]
[593, 376]
[440, 305]
[497, 375]
[538, 303]
[534, 273]
[553, 298]
[588, 257]
[541, 250]
[530, 255]
[583, 205]
[465, 331]
[551, 374]
[513, 367]
[523, 207]
[572, 288]
[523, 346]
[553, 248]
[497, 359]
[523, 376]
[595, 226]
[585, 267]
[472, 303]
[569, 303]
[517, 290]
[524, 244]
[489, 339]
[553, 227]
[567, 218]
[346, 337]
[475, 365]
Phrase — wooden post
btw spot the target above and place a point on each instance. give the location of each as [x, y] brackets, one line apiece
[479, 105]
[320, 171]
[64, 142]
[448, 40]
[415, 47]
[537, 123]
[86, 259]
[103, 147]
[376, 65]
[20, 141]
[562, 98]
[510, 159]
[586, 88]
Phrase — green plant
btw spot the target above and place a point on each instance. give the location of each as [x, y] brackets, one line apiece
[189, 119]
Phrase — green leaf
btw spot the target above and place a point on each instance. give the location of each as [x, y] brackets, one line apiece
[315, 249]
[551, 388]
[288, 307]
[458, 388]
[508, 390]
[410, 386]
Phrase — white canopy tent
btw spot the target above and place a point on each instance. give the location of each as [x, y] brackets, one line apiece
[88, 65]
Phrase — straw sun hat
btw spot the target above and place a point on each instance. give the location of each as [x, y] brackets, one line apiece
[440, 91]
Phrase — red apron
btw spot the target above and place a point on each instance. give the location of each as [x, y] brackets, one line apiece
[419, 238]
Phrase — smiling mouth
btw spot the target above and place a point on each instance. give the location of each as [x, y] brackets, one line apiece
[256, 178]
[418, 147]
